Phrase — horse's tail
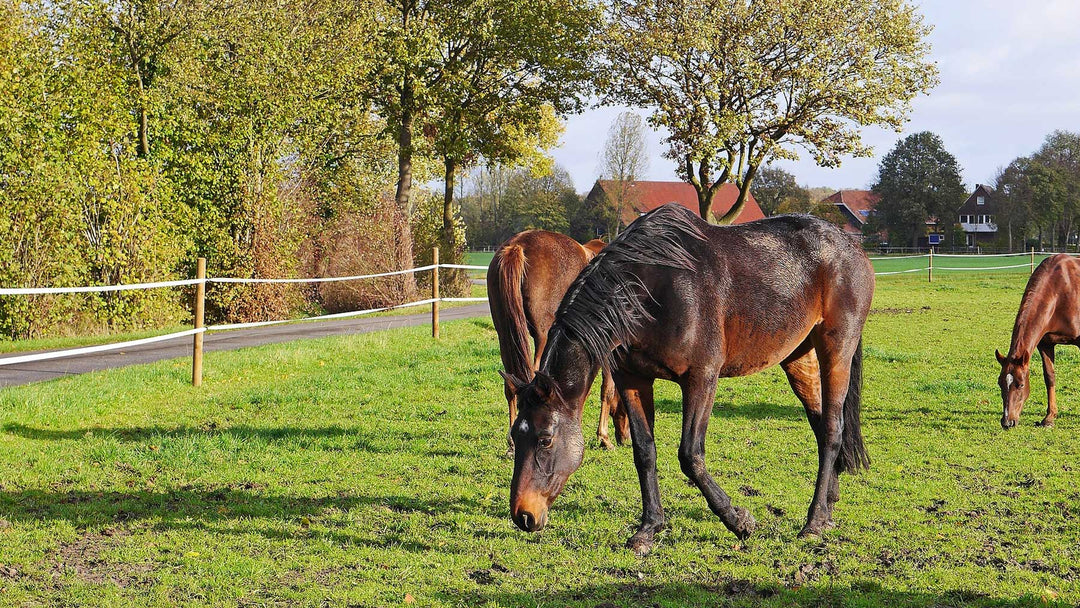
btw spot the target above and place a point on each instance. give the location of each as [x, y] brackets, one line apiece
[511, 325]
[853, 456]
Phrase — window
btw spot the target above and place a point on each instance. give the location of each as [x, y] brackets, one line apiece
[981, 200]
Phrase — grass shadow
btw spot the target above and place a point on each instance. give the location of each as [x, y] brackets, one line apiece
[723, 591]
[750, 411]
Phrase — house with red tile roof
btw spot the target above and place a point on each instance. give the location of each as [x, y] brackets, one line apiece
[856, 207]
[644, 196]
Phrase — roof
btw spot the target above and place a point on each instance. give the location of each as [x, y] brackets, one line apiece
[648, 195]
[971, 204]
[858, 204]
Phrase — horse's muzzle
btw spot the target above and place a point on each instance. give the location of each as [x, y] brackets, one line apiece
[529, 522]
[1007, 423]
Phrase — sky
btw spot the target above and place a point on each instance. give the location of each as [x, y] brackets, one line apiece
[1010, 75]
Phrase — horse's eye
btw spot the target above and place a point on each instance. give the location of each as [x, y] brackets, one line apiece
[544, 442]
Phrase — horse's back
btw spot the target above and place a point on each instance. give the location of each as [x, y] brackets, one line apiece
[552, 261]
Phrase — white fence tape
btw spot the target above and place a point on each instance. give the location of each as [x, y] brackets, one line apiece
[986, 268]
[44, 290]
[339, 315]
[463, 266]
[86, 350]
[322, 279]
[881, 274]
[901, 257]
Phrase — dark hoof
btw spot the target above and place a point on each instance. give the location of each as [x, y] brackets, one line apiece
[1047, 424]
[641, 543]
[744, 524]
[816, 529]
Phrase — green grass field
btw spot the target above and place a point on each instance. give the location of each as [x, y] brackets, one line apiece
[368, 471]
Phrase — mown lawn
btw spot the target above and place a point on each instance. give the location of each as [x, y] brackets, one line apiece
[368, 471]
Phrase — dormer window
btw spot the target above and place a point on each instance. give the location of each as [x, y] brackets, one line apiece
[981, 200]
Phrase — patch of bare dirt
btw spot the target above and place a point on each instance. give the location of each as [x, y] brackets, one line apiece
[83, 558]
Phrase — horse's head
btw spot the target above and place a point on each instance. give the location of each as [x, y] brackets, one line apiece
[1014, 387]
[548, 447]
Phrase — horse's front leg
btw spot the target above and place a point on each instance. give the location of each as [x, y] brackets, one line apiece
[1046, 350]
[637, 398]
[698, 394]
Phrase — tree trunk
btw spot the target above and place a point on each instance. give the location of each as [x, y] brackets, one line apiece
[705, 198]
[403, 254]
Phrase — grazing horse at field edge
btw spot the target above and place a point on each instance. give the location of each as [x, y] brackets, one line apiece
[682, 300]
[526, 281]
[1049, 315]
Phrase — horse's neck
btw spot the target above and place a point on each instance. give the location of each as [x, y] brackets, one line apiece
[566, 362]
[1030, 327]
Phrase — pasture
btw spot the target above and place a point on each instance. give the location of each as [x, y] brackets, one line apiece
[368, 471]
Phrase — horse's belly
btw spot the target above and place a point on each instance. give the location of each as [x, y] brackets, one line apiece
[751, 354]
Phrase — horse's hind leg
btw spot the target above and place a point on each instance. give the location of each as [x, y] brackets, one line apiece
[834, 360]
[637, 398]
[609, 408]
[1047, 353]
[698, 394]
[804, 376]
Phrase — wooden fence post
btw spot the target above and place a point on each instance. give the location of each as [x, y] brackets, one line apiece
[435, 294]
[930, 268]
[200, 309]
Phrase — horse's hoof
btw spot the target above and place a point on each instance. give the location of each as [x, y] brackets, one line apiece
[815, 529]
[744, 524]
[606, 443]
[1046, 424]
[640, 544]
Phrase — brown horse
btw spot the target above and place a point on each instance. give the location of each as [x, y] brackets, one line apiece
[526, 281]
[1049, 315]
[682, 300]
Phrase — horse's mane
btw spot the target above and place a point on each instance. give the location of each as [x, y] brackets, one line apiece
[607, 301]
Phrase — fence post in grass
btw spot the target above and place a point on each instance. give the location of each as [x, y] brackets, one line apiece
[930, 268]
[1032, 260]
[435, 294]
[200, 309]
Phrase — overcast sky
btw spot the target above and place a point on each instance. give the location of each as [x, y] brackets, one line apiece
[1010, 74]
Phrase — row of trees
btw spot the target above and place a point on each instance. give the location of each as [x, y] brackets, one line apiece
[284, 138]
[1036, 198]
[138, 135]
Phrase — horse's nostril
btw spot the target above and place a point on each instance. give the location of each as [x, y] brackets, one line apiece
[526, 521]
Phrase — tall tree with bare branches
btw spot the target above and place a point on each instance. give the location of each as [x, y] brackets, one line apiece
[625, 160]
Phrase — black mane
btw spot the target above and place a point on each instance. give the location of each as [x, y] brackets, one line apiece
[607, 301]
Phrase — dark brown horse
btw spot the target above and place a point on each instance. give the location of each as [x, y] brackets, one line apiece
[526, 281]
[681, 300]
[1049, 315]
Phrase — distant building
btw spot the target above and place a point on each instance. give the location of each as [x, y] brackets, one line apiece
[976, 216]
[644, 196]
[856, 207]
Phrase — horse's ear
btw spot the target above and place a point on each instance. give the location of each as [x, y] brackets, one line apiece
[1001, 360]
[512, 381]
[544, 386]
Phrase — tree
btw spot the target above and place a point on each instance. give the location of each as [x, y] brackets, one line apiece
[1014, 194]
[774, 187]
[918, 180]
[736, 83]
[625, 159]
[506, 70]
[1055, 177]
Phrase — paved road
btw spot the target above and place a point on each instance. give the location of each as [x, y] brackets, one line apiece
[12, 375]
